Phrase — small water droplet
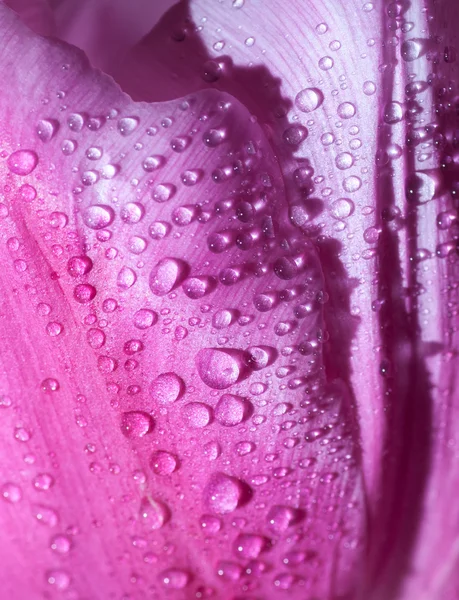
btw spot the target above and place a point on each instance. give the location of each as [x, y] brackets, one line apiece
[223, 493]
[309, 99]
[154, 513]
[163, 463]
[167, 388]
[197, 414]
[46, 129]
[128, 125]
[167, 275]
[217, 368]
[98, 216]
[231, 410]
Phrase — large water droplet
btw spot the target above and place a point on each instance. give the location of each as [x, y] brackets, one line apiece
[217, 368]
[167, 388]
[46, 129]
[309, 99]
[282, 517]
[22, 162]
[98, 216]
[249, 546]
[197, 414]
[410, 50]
[128, 125]
[167, 275]
[163, 463]
[223, 493]
[231, 410]
[393, 113]
[136, 424]
[154, 513]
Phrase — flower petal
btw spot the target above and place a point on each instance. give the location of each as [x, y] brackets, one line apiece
[176, 415]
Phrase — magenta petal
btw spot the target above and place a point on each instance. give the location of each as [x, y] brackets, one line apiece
[169, 425]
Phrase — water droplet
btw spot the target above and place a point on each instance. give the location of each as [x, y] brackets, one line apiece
[309, 99]
[77, 266]
[11, 492]
[136, 424]
[210, 524]
[410, 50]
[167, 388]
[46, 129]
[219, 242]
[248, 546]
[346, 110]
[151, 163]
[163, 192]
[53, 328]
[352, 184]
[128, 125]
[326, 63]
[154, 513]
[218, 369]
[45, 515]
[243, 448]
[43, 482]
[369, 88]
[214, 137]
[68, 147]
[50, 385]
[61, 544]
[145, 318]
[393, 113]
[98, 216]
[167, 275]
[231, 410]
[344, 160]
[295, 134]
[158, 230]
[197, 414]
[175, 579]
[342, 208]
[22, 162]
[223, 493]
[197, 287]
[94, 153]
[132, 213]
[84, 293]
[59, 580]
[282, 517]
[75, 122]
[163, 463]
[126, 278]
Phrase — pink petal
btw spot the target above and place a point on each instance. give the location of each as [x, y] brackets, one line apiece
[166, 396]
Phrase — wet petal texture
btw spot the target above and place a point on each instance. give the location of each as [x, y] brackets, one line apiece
[170, 425]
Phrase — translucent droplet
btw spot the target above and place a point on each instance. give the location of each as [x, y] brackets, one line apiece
[126, 278]
[78, 266]
[280, 518]
[53, 328]
[68, 147]
[214, 137]
[60, 544]
[132, 213]
[231, 410]
[75, 122]
[145, 318]
[43, 482]
[45, 515]
[158, 230]
[136, 424]
[58, 579]
[175, 579]
[98, 216]
[249, 546]
[151, 163]
[163, 463]
[210, 524]
[346, 110]
[128, 125]
[344, 160]
[326, 63]
[94, 153]
[309, 99]
[369, 88]
[217, 368]
[167, 388]
[352, 183]
[393, 113]
[46, 129]
[197, 287]
[223, 493]
[342, 208]
[295, 134]
[197, 414]
[22, 162]
[410, 50]
[50, 385]
[11, 492]
[84, 293]
[166, 275]
[163, 192]
[153, 513]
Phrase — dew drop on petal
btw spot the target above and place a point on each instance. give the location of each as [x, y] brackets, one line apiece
[217, 368]
[309, 99]
[197, 414]
[166, 275]
[22, 162]
[167, 388]
[163, 463]
[175, 579]
[223, 493]
[231, 410]
[153, 513]
[46, 129]
[136, 424]
[98, 216]
[128, 125]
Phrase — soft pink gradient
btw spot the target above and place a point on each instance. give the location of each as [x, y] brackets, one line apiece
[307, 395]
